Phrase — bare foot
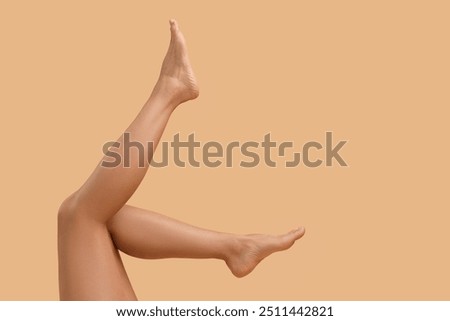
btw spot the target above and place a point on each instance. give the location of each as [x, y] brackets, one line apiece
[252, 249]
[177, 80]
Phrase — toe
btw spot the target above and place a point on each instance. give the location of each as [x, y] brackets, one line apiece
[173, 25]
[288, 239]
[299, 232]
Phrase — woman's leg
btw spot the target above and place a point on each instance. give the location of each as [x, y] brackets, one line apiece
[149, 235]
[90, 267]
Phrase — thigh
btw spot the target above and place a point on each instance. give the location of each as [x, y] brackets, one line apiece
[90, 267]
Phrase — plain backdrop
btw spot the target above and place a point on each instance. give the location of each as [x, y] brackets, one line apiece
[74, 74]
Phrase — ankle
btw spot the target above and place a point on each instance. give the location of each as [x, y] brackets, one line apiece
[235, 246]
[164, 93]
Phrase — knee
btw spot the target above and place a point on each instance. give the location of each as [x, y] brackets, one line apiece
[67, 210]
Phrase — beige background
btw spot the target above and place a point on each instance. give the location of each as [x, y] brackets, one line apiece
[73, 75]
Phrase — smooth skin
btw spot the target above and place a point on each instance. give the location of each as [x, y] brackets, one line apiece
[95, 222]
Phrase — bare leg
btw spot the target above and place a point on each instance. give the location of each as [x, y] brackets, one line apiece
[149, 235]
[108, 189]
[90, 267]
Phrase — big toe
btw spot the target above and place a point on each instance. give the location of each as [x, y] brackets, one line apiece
[287, 240]
[173, 25]
[298, 232]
